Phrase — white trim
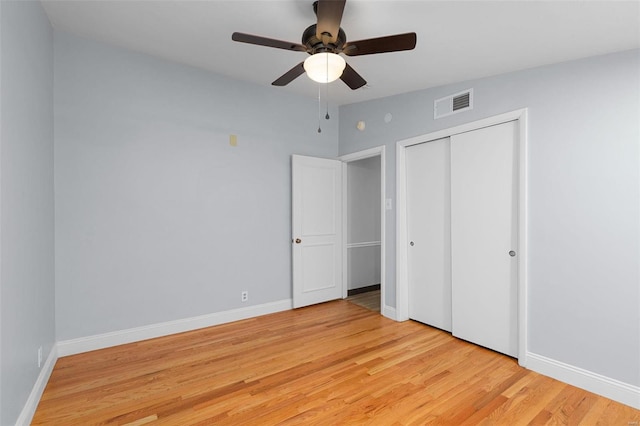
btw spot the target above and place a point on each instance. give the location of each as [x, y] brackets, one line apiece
[383, 227]
[585, 379]
[29, 409]
[389, 312]
[361, 155]
[364, 244]
[355, 156]
[345, 231]
[402, 285]
[121, 337]
[523, 238]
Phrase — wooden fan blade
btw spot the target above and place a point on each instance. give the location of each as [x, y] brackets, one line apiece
[290, 75]
[329, 13]
[352, 78]
[269, 42]
[393, 43]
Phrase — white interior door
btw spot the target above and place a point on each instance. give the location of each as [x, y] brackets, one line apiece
[483, 233]
[428, 225]
[317, 230]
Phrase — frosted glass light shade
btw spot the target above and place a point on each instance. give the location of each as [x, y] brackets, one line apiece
[324, 67]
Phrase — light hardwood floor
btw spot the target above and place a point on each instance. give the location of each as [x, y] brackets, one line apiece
[329, 364]
[369, 300]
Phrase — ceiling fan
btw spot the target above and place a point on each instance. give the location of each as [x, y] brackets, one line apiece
[324, 41]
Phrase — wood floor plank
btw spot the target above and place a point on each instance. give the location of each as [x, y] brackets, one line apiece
[329, 364]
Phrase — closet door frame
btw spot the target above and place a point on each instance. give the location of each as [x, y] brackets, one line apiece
[402, 282]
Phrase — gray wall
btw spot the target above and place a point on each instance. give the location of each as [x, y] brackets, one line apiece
[363, 200]
[363, 222]
[26, 201]
[584, 205]
[158, 218]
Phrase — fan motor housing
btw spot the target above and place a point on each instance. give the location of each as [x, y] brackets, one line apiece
[315, 45]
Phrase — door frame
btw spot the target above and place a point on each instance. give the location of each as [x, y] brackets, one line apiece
[378, 151]
[402, 283]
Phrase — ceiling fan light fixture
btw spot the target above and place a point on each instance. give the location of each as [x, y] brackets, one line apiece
[324, 67]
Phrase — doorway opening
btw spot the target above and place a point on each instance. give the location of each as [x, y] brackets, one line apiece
[364, 226]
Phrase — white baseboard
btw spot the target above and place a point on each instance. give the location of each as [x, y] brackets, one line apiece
[29, 409]
[593, 382]
[389, 312]
[121, 337]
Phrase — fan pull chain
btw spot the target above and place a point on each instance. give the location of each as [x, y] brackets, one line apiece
[327, 90]
[319, 108]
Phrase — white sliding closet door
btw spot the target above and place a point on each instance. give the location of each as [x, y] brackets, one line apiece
[484, 237]
[428, 224]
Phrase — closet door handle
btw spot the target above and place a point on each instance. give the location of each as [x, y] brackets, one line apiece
[512, 253]
[411, 243]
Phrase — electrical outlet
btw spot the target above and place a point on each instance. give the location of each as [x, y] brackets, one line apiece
[39, 356]
[244, 296]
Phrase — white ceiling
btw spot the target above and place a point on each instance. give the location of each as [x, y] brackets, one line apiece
[457, 40]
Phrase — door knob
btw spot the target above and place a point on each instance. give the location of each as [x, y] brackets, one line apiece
[512, 253]
[411, 244]
[298, 240]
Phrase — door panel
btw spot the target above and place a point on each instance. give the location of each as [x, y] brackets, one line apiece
[483, 232]
[317, 230]
[318, 197]
[428, 224]
[318, 266]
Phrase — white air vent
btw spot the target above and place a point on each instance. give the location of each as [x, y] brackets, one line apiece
[453, 104]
